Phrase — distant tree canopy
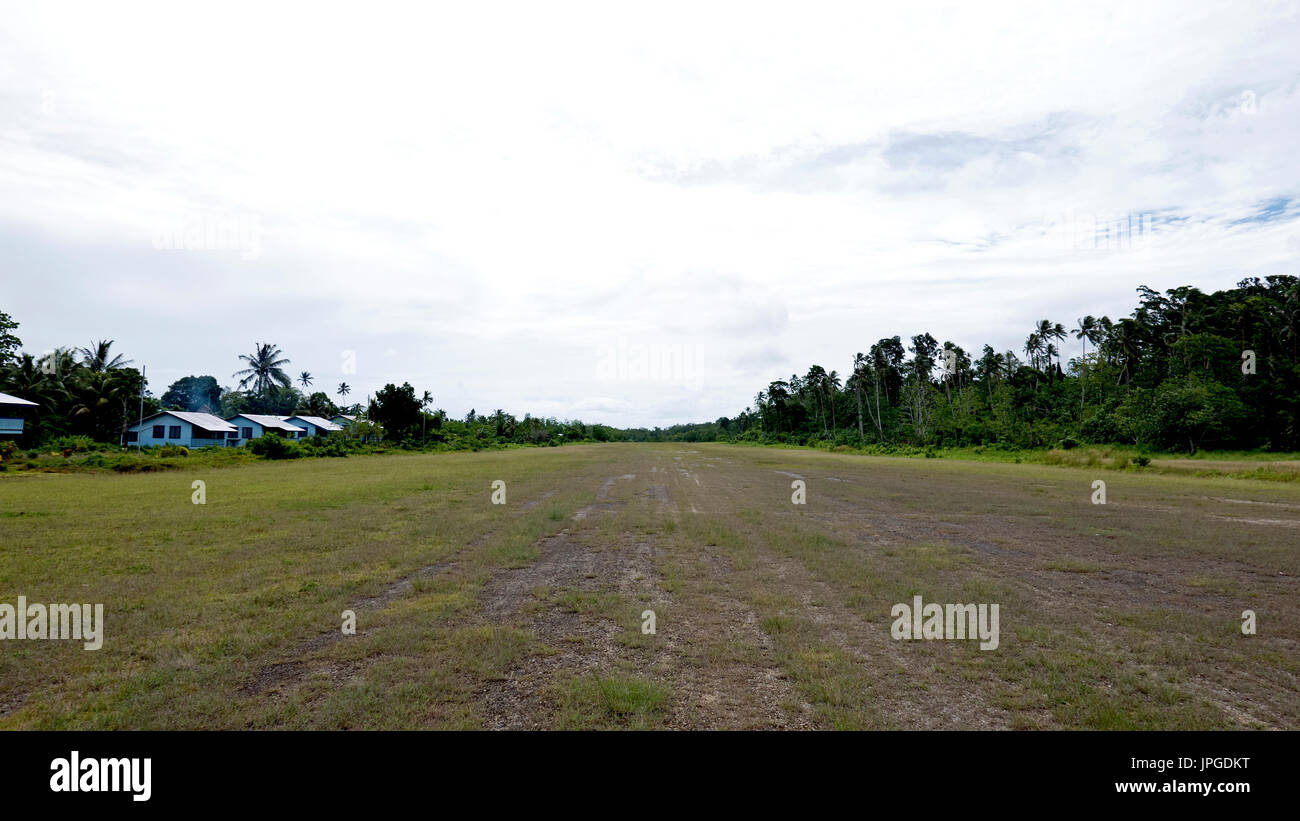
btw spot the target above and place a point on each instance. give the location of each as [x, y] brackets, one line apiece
[193, 393]
[1186, 370]
[397, 409]
[9, 344]
[93, 392]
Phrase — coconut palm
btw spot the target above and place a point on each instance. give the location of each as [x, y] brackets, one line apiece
[832, 385]
[1047, 331]
[344, 390]
[1086, 331]
[859, 371]
[264, 369]
[1033, 343]
[97, 357]
[305, 380]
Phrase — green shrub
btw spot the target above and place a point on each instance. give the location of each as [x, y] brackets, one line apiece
[274, 447]
[173, 450]
[76, 444]
[7, 449]
[1141, 460]
[331, 445]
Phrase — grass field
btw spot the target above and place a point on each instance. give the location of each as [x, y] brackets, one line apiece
[767, 614]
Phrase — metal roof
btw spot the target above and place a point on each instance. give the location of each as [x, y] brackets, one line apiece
[6, 399]
[273, 422]
[201, 420]
[318, 421]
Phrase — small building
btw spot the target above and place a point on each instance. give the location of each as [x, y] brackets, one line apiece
[343, 420]
[191, 430]
[315, 425]
[12, 413]
[252, 425]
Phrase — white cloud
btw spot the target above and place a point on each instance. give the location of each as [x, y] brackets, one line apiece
[490, 194]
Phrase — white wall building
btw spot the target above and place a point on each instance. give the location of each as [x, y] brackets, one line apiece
[315, 425]
[191, 430]
[253, 425]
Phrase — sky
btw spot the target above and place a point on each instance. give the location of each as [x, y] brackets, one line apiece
[630, 214]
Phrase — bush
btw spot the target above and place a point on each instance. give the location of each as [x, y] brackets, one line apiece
[71, 444]
[1141, 460]
[331, 445]
[274, 447]
[7, 449]
[173, 450]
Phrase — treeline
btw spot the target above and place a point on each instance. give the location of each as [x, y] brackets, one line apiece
[1186, 370]
[92, 394]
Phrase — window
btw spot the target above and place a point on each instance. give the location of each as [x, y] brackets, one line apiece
[132, 436]
[247, 433]
[158, 431]
[174, 432]
[234, 434]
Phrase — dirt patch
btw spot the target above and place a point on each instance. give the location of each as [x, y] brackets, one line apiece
[276, 676]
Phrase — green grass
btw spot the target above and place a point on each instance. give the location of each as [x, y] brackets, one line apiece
[227, 615]
[612, 702]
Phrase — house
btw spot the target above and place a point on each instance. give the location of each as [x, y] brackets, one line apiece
[192, 430]
[343, 420]
[253, 425]
[12, 413]
[315, 425]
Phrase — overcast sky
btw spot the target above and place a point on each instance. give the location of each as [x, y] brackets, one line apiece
[636, 217]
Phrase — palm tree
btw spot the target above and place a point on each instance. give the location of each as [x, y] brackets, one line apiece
[1033, 343]
[1086, 331]
[1047, 330]
[1050, 351]
[425, 402]
[815, 382]
[97, 358]
[859, 368]
[832, 385]
[304, 379]
[344, 390]
[264, 369]
[1126, 334]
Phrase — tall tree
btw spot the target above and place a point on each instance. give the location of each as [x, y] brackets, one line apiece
[9, 344]
[193, 393]
[1086, 331]
[265, 369]
[99, 358]
[397, 409]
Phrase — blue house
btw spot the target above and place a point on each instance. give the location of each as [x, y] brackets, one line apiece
[252, 425]
[314, 425]
[12, 412]
[191, 430]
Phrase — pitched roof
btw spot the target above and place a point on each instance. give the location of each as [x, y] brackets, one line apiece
[6, 399]
[201, 420]
[272, 422]
[318, 421]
